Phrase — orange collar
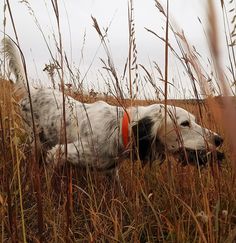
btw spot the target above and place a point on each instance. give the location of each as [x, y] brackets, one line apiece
[125, 129]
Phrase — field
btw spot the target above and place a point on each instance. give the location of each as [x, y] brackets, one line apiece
[176, 204]
[164, 202]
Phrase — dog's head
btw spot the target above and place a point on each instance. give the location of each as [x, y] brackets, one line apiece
[179, 135]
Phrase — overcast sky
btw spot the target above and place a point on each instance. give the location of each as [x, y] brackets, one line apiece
[76, 24]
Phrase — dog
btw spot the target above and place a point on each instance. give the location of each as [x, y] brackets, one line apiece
[100, 136]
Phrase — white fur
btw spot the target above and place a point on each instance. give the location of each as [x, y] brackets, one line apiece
[94, 136]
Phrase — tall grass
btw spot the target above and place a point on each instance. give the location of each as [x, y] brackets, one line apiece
[164, 203]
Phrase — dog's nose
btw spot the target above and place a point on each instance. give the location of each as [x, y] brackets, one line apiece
[218, 140]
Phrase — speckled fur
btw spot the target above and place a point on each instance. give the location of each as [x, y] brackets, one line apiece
[94, 136]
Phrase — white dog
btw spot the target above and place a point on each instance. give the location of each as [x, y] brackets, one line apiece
[100, 136]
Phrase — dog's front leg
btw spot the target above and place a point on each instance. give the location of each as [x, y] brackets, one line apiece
[78, 154]
[58, 156]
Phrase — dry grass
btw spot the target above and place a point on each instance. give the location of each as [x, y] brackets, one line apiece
[70, 205]
[200, 206]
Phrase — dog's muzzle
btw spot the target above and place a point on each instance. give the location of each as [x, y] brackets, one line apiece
[198, 157]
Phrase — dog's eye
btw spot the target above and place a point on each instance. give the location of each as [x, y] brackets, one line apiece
[185, 124]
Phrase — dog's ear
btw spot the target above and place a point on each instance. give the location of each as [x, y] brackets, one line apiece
[143, 138]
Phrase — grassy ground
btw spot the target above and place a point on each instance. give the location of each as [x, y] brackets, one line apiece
[181, 204]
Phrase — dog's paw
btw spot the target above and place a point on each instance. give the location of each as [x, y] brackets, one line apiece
[56, 155]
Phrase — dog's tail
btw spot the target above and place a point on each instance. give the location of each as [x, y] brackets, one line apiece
[14, 59]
